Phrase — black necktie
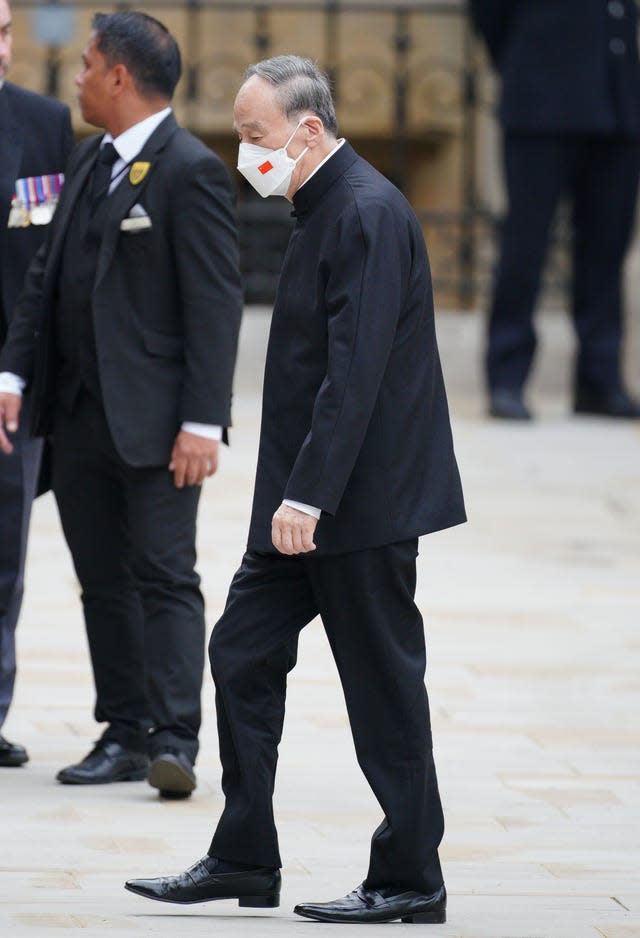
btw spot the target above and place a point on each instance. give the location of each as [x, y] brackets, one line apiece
[107, 156]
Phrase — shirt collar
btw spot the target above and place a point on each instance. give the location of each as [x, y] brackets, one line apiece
[129, 143]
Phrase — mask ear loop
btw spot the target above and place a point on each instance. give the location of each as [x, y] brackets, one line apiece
[297, 128]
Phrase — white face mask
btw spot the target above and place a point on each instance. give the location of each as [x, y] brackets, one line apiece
[268, 171]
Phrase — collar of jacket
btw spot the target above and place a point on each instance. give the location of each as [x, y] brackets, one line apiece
[312, 192]
[157, 139]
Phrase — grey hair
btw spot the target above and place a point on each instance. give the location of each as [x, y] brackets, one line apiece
[300, 86]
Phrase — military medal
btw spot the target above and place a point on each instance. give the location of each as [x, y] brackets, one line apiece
[42, 211]
[35, 199]
[38, 215]
[41, 214]
[18, 215]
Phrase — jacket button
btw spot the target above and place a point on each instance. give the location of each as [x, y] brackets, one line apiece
[616, 9]
[618, 46]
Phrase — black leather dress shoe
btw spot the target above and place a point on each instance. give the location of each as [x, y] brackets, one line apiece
[11, 754]
[506, 404]
[380, 905]
[256, 889]
[615, 402]
[171, 771]
[107, 762]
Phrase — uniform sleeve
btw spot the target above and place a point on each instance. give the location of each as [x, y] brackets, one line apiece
[18, 352]
[364, 296]
[206, 250]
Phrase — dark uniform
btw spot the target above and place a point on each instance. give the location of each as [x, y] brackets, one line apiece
[570, 110]
[36, 139]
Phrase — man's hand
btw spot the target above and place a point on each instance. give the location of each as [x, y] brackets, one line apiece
[292, 531]
[10, 405]
[193, 458]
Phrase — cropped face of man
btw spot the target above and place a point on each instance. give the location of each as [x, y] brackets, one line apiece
[259, 120]
[94, 82]
[5, 39]
[257, 116]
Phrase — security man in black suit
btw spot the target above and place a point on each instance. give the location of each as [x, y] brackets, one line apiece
[127, 331]
[36, 139]
[570, 110]
[356, 461]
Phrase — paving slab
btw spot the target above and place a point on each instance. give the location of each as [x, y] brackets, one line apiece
[531, 613]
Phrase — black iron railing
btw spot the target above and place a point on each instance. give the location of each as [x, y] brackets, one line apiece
[408, 93]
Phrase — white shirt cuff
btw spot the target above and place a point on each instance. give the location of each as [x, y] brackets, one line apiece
[11, 384]
[308, 509]
[208, 430]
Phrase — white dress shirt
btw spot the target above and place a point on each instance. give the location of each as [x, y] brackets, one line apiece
[128, 145]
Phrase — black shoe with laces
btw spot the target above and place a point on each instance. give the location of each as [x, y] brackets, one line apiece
[171, 772]
[11, 754]
[107, 762]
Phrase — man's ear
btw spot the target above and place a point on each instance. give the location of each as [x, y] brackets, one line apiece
[314, 132]
[120, 79]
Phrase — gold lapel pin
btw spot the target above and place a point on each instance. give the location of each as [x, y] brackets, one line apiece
[138, 172]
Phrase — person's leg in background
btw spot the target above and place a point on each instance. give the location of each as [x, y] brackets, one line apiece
[18, 481]
[604, 198]
[162, 527]
[88, 486]
[537, 170]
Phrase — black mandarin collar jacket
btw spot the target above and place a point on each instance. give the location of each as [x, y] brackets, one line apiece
[355, 418]
[308, 197]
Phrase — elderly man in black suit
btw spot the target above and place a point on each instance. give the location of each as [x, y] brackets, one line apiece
[36, 139]
[570, 110]
[356, 461]
[127, 331]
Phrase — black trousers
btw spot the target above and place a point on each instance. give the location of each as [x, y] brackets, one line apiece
[599, 175]
[132, 538]
[18, 479]
[366, 601]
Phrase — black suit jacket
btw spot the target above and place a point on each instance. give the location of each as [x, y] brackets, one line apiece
[355, 418]
[35, 140]
[166, 303]
[567, 66]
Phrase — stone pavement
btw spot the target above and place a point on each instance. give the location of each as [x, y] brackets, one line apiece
[532, 614]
